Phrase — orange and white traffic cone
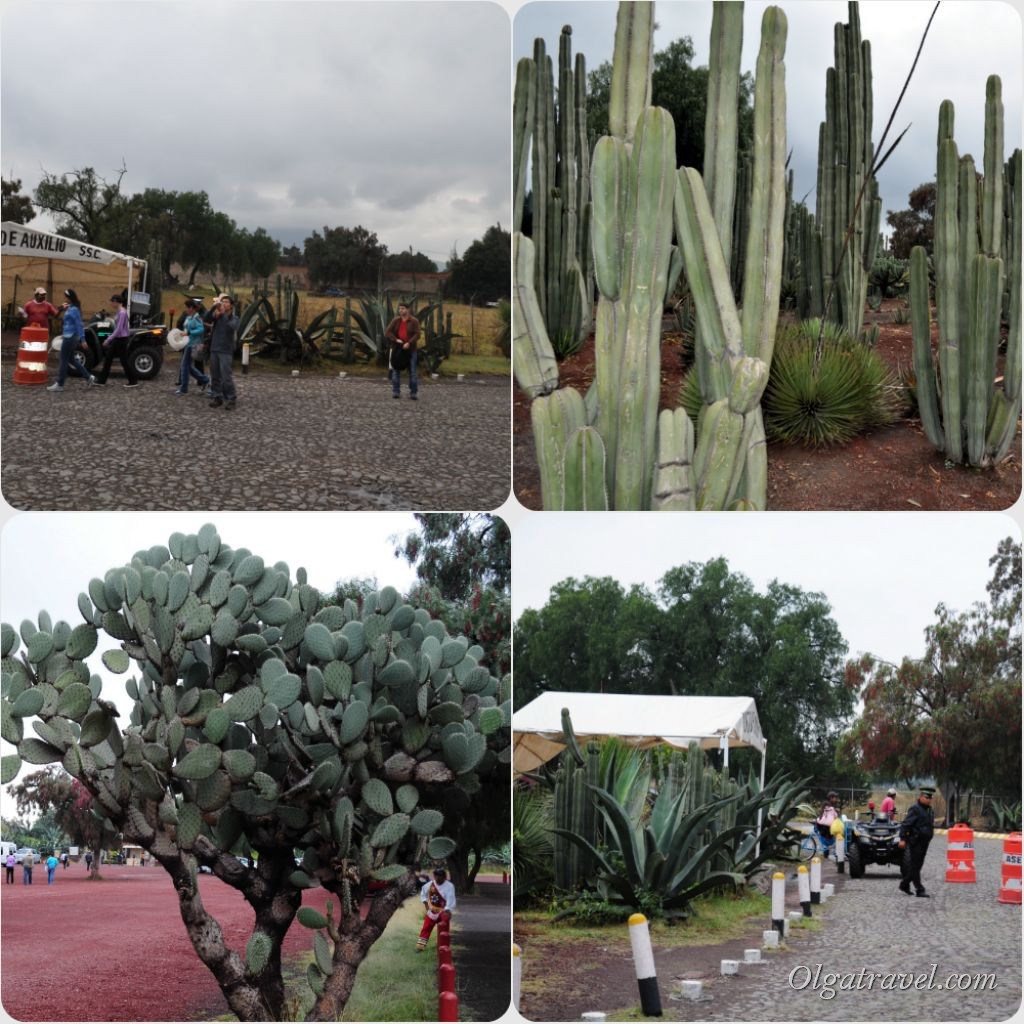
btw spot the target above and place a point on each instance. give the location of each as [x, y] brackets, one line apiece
[30, 367]
[960, 855]
[1009, 888]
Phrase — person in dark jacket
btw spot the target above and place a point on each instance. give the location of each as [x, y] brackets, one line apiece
[916, 833]
[403, 333]
[116, 345]
[222, 352]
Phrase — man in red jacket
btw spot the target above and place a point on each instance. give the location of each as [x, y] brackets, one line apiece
[403, 332]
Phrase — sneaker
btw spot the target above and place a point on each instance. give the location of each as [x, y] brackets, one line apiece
[904, 887]
[396, 395]
[229, 404]
[91, 381]
[60, 387]
[214, 402]
[923, 895]
[178, 391]
[413, 397]
[131, 384]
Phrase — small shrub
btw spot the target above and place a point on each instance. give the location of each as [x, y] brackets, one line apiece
[889, 276]
[901, 314]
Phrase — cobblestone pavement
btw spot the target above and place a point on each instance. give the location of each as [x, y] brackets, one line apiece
[308, 443]
[869, 925]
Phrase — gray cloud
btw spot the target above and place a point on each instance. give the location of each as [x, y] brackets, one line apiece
[291, 115]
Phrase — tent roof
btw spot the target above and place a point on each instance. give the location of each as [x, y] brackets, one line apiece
[641, 721]
[21, 240]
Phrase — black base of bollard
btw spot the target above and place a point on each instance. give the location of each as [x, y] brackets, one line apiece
[806, 908]
[650, 997]
[816, 897]
[780, 927]
[841, 867]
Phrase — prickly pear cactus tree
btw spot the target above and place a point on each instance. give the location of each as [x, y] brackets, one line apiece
[267, 724]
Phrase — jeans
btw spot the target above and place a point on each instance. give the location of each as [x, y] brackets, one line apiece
[222, 380]
[189, 370]
[26, 875]
[49, 875]
[119, 348]
[396, 377]
[68, 350]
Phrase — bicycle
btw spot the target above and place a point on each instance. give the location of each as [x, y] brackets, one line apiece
[814, 845]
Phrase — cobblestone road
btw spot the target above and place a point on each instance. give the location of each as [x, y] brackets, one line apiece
[307, 443]
[961, 930]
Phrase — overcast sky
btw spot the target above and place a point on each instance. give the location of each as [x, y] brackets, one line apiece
[968, 41]
[48, 559]
[883, 573]
[290, 115]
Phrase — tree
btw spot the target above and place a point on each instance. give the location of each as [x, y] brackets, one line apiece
[85, 206]
[342, 255]
[264, 252]
[16, 207]
[483, 272]
[916, 225]
[683, 91]
[708, 632]
[410, 262]
[463, 563]
[954, 714]
[264, 723]
[53, 791]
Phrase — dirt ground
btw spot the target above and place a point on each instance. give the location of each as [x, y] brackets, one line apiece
[894, 468]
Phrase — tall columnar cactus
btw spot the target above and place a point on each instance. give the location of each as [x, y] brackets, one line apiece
[575, 812]
[849, 233]
[963, 412]
[650, 461]
[262, 720]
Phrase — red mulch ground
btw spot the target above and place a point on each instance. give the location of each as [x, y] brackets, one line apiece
[892, 468]
[116, 950]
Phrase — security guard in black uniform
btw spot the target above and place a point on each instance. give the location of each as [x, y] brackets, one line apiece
[916, 832]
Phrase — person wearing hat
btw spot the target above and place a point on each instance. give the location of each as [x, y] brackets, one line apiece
[915, 834]
[38, 311]
[438, 897]
[72, 339]
[116, 344]
[889, 804]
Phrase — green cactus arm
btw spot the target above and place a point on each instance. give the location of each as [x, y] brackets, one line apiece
[523, 114]
[673, 473]
[1012, 365]
[752, 493]
[584, 472]
[609, 174]
[992, 191]
[717, 456]
[632, 63]
[924, 370]
[555, 418]
[533, 362]
[947, 287]
[984, 334]
[762, 281]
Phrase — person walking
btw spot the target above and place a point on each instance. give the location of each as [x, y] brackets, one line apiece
[403, 332]
[88, 860]
[116, 344]
[38, 312]
[26, 869]
[72, 340]
[222, 352]
[64, 859]
[51, 867]
[196, 331]
[9, 865]
[438, 897]
[916, 833]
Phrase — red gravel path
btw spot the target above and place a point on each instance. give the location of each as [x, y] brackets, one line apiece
[115, 950]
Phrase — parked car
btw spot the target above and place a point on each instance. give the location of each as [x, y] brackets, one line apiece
[20, 855]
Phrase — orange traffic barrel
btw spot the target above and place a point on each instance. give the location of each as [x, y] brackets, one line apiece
[1009, 889]
[960, 855]
[30, 367]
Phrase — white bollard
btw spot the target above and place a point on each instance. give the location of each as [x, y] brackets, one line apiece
[778, 900]
[692, 989]
[342, 374]
[828, 891]
[770, 938]
[751, 956]
[595, 1016]
[245, 357]
[785, 927]
[815, 880]
[295, 373]
[517, 974]
[460, 376]
[643, 961]
[841, 854]
[803, 885]
[730, 967]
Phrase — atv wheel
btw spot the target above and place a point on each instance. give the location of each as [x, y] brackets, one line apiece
[146, 361]
[856, 861]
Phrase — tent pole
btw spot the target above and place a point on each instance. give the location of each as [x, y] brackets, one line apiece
[725, 753]
[131, 274]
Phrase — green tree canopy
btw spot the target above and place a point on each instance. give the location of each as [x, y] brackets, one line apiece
[343, 256]
[16, 207]
[707, 632]
[409, 261]
[915, 225]
[682, 90]
[483, 272]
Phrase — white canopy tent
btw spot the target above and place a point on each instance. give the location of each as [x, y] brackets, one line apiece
[31, 258]
[716, 723]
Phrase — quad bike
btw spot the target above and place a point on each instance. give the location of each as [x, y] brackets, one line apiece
[874, 842]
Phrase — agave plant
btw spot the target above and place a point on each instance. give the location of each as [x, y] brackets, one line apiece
[271, 332]
[532, 849]
[1006, 817]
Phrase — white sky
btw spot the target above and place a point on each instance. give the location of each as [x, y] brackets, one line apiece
[291, 115]
[883, 573]
[968, 41]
